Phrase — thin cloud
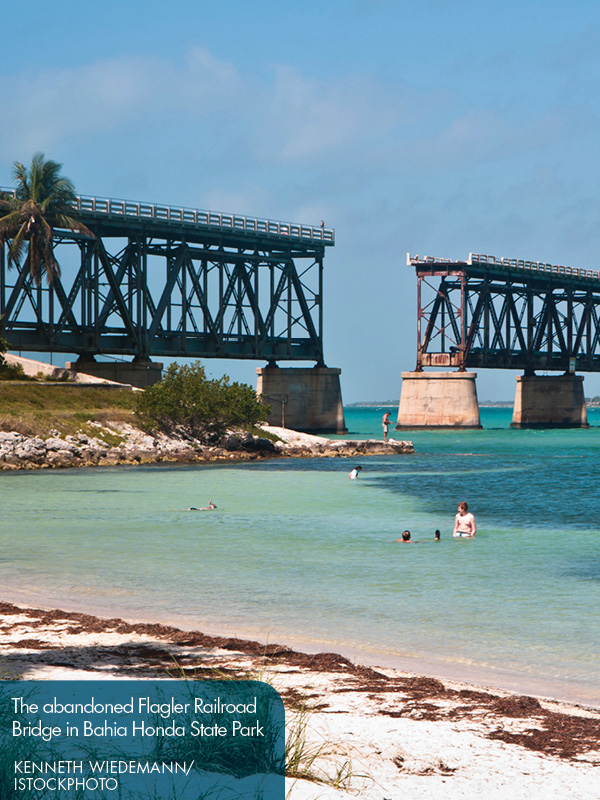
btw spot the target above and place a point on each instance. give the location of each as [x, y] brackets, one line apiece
[478, 136]
[50, 106]
[282, 129]
[308, 120]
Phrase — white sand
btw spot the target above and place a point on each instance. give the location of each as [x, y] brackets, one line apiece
[375, 755]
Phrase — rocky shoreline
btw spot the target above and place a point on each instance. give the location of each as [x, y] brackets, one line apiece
[124, 444]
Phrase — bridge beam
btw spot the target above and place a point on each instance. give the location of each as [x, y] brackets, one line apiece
[303, 399]
[438, 400]
[549, 401]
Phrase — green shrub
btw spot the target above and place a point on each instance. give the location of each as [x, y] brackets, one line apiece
[185, 399]
[9, 372]
[12, 372]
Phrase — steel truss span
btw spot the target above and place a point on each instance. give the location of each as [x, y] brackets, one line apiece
[227, 288]
[487, 312]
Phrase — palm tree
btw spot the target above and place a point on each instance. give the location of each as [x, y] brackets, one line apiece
[41, 203]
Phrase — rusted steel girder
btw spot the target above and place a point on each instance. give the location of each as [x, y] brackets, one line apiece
[506, 314]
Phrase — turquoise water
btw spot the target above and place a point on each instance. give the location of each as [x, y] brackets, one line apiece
[297, 553]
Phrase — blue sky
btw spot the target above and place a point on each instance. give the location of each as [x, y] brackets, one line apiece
[430, 126]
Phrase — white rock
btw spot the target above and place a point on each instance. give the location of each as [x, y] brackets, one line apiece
[10, 437]
[60, 444]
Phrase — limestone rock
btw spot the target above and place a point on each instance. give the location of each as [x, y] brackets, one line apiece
[10, 437]
[22, 452]
[61, 444]
[60, 458]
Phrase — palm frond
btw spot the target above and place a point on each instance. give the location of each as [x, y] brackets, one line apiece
[9, 225]
[33, 263]
[46, 247]
[36, 179]
[17, 247]
[65, 221]
[50, 190]
[21, 179]
[8, 202]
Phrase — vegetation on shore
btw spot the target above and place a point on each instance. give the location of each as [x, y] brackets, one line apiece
[9, 372]
[373, 404]
[186, 400]
[37, 409]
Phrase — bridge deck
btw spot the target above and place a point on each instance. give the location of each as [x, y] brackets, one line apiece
[479, 264]
[119, 217]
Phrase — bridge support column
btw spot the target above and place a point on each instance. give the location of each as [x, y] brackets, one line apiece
[303, 399]
[553, 401]
[438, 400]
[136, 373]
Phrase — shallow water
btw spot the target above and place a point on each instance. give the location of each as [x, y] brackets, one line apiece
[298, 553]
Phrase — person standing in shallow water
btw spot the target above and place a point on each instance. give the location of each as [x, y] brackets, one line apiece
[354, 473]
[464, 522]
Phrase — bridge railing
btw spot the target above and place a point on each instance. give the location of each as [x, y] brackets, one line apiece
[535, 266]
[511, 263]
[200, 218]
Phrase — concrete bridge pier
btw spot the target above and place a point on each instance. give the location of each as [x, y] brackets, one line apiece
[438, 400]
[303, 399]
[136, 373]
[552, 401]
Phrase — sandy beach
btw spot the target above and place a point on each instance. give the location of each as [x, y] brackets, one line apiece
[371, 733]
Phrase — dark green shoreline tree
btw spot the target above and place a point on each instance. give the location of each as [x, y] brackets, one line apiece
[42, 203]
[186, 400]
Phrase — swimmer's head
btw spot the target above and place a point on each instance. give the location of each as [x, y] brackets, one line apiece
[406, 536]
[437, 535]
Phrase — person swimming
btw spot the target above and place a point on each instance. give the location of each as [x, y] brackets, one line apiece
[210, 507]
[406, 537]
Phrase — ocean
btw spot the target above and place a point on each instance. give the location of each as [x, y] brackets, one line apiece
[297, 554]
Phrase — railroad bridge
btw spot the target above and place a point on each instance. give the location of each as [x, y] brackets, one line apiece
[158, 281]
[501, 313]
